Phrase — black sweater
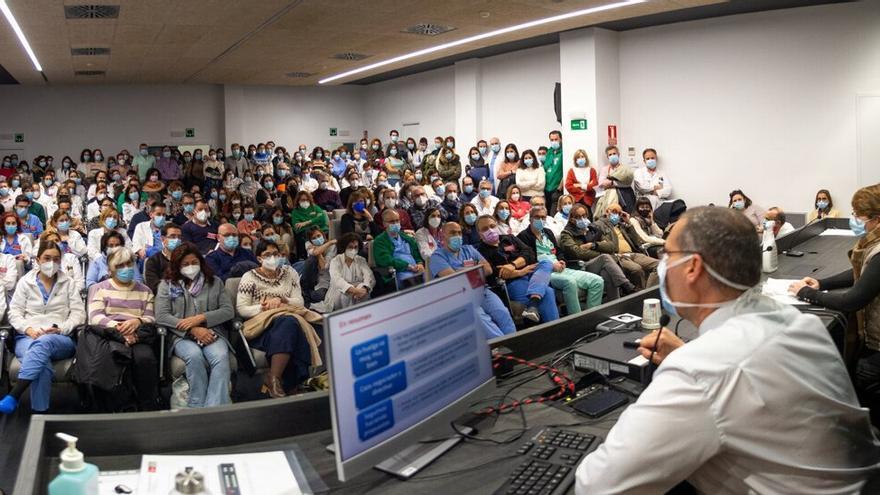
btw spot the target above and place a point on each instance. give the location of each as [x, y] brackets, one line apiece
[858, 295]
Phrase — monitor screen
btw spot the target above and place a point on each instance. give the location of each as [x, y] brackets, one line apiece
[401, 362]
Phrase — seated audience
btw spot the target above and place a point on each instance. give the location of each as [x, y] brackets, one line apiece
[429, 236]
[192, 303]
[157, 264]
[315, 274]
[394, 249]
[351, 279]
[467, 219]
[640, 268]
[774, 220]
[108, 222]
[44, 310]
[146, 240]
[227, 253]
[124, 305]
[519, 210]
[542, 241]
[484, 202]
[743, 204]
[454, 255]
[528, 280]
[199, 230]
[823, 207]
[648, 233]
[15, 242]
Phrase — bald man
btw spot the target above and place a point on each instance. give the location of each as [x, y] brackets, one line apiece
[227, 253]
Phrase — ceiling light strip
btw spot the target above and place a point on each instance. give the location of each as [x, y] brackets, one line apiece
[490, 34]
[20, 34]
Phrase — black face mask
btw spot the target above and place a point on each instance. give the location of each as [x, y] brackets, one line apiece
[644, 212]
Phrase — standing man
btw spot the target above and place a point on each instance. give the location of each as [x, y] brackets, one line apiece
[651, 183]
[143, 162]
[494, 159]
[553, 172]
[236, 161]
[760, 402]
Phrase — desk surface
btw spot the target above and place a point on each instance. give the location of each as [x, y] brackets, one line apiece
[471, 467]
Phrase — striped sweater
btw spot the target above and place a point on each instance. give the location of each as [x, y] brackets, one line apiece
[110, 304]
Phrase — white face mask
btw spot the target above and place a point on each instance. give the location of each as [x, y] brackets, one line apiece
[271, 262]
[191, 271]
[351, 253]
[202, 215]
[390, 203]
[49, 268]
[434, 222]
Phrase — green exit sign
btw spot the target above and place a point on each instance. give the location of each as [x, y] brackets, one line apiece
[19, 138]
[579, 124]
[333, 131]
[190, 132]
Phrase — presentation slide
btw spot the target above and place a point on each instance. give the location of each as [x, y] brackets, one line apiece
[400, 360]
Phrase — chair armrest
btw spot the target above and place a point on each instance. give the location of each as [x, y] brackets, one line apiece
[162, 331]
[238, 326]
[5, 332]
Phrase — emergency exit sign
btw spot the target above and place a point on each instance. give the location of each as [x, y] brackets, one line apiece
[579, 124]
[19, 137]
[334, 131]
[190, 132]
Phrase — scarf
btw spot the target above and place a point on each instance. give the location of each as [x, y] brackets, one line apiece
[196, 287]
[857, 258]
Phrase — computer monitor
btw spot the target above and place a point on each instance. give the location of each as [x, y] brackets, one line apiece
[403, 367]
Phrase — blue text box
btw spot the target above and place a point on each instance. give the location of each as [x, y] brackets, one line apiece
[375, 420]
[380, 385]
[369, 356]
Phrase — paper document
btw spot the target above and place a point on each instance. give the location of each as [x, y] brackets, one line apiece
[837, 232]
[777, 288]
[264, 473]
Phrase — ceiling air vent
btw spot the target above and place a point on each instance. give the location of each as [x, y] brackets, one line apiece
[299, 75]
[428, 29]
[89, 73]
[89, 51]
[350, 56]
[91, 11]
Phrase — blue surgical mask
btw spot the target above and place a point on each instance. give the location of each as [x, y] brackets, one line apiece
[496, 148]
[484, 193]
[110, 223]
[482, 150]
[249, 217]
[503, 214]
[583, 223]
[176, 195]
[230, 242]
[510, 155]
[468, 188]
[134, 195]
[566, 209]
[538, 224]
[614, 159]
[277, 220]
[581, 162]
[21, 212]
[857, 226]
[614, 218]
[16, 183]
[449, 155]
[651, 164]
[318, 241]
[555, 144]
[159, 221]
[144, 151]
[470, 218]
[11, 229]
[439, 190]
[394, 228]
[48, 182]
[739, 204]
[188, 208]
[125, 275]
[528, 162]
[454, 243]
[769, 224]
[821, 204]
[30, 195]
[172, 244]
[63, 226]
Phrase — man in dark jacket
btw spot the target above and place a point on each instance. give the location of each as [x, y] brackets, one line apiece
[581, 241]
[615, 227]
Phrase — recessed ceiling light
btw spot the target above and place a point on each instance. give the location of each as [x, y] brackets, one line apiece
[90, 51]
[18, 32]
[350, 56]
[489, 34]
[91, 11]
[89, 73]
[428, 29]
[485, 15]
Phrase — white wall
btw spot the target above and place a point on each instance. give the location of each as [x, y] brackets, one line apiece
[62, 120]
[764, 102]
[426, 98]
[517, 96]
[294, 115]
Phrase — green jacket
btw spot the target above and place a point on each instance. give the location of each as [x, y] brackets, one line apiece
[383, 252]
[553, 169]
[314, 215]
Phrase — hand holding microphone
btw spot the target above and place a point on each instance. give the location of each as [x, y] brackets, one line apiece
[658, 344]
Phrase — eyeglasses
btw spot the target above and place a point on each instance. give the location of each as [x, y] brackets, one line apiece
[662, 252]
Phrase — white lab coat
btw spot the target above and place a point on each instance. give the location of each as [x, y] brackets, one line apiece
[94, 241]
[10, 270]
[760, 403]
[487, 210]
[65, 307]
[75, 243]
[644, 182]
[143, 236]
[342, 277]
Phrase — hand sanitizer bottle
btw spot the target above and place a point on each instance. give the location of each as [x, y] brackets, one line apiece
[77, 477]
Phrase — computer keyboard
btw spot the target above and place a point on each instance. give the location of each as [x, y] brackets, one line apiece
[553, 457]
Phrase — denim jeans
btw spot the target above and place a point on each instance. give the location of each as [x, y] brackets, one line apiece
[495, 316]
[536, 284]
[36, 356]
[207, 371]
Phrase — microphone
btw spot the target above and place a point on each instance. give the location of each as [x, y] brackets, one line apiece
[664, 320]
[794, 253]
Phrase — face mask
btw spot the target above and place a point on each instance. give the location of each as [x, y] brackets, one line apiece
[644, 212]
[490, 236]
[49, 268]
[191, 271]
[11, 229]
[236, 153]
[134, 196]
[514, 197]
[4, 191]
[277, 220]
[154, 178]
[418, 176]
[581, 162]
[351, 253]
[538, 224]
[172, 244]
[391, 203]
[177, 195]
[669, 305]
[651, 164]
[364, 146]
[214, 194]
[555, 144]
[470, 218]
[202, 216]
[166, 154]
[116, 177]
[144, 151]
[392, 152]
[857, 226]
[821, 204]
[77, 180]
[16, 183]
[304, 204]
[769, 224]
[614, 218]
[566, 209]
[159, 221]
[394, 228]
[450, 144]
[394, 138]
[411, 146]
[268, 185]
[739, 204]
[22, 212]
[503, 214]
[318, 241]
[271, 262]
[614, 159]
[475, 156]
[528, 162]
[434, 222]
[468, 188]
[496, 148]
[484, 193]
[510, 155]
[375, 147]
[582, 223]
[437, 146]
[110, 223]
[449, 155]
[48, 182]
[541, 158]
[30, 195]
[421, 201]
[452, 197]
[230, 243]
[43, 163]
[319, 155]
[125, 275]
[188, 208]
[63, 226]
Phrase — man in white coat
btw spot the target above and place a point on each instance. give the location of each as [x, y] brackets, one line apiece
[760, 402]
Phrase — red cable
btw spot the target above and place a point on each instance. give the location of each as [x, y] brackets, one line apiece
[557, 376]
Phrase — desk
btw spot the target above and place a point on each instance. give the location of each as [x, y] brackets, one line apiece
[116, 441]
